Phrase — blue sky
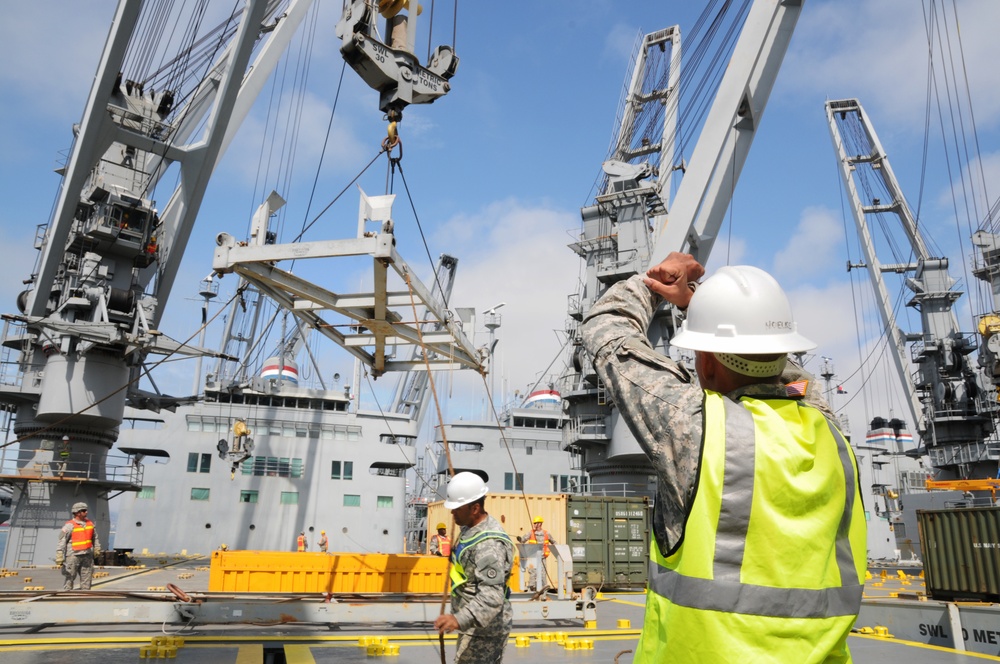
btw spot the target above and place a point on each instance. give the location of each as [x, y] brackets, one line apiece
[500, 167]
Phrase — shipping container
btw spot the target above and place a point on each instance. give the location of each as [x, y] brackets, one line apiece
[961, 552]
[608, 536]
[609, 540]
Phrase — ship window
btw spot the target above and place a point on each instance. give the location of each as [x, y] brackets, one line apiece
[300, 433]
[248, 496]
[273, 467]
[342, 470]
[559, 483]
[199, 494]
[529, 450]
[326, 434]
[274, 431]
[383, 501]
[314, 433]
[288, 431]
[147, 492]
[194, 425]
[351, 500]
[193, 462]
[353, 433]
[510, 483]
[289, 497]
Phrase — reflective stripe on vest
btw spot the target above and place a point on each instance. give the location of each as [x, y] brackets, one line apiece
[799, 491]
[82, 537]
[457, 572]
[300, 541]
[444, 545]
[544, 542]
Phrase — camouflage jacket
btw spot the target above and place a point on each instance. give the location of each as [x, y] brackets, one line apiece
[480, 604]
[660, 400]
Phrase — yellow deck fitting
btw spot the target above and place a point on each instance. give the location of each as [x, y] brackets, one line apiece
[624, 624]
[27, 579]
[590, 624]
[522, 642]
[375, 650]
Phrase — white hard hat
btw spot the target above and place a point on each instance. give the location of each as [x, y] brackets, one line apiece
[79, 507]
[740, 309]
[465, 488]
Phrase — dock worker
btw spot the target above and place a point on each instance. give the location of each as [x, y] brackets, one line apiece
[759, 546]
[440, 545]
[78, 545]
[481, 563]
[324, 543]
[540, 536]
[301, 543]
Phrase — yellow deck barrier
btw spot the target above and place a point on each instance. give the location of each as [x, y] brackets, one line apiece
[274, 571]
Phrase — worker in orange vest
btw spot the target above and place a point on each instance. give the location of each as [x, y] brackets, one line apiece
[301, 543]
[440, 544]
[540, 536]
[77, 547]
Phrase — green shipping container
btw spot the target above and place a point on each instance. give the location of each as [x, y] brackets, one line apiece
[608, 537]
[961, 552]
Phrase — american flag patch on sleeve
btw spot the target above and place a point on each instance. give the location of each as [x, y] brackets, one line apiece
[797, 389]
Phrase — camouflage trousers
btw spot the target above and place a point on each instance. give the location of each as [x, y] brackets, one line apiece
[81, 565]
[480, 649]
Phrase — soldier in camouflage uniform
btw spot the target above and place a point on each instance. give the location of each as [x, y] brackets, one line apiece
[78, 545]
[482, 560]
[659, 397]
[744, 364]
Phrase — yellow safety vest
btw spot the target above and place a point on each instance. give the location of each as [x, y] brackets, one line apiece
[771, 562]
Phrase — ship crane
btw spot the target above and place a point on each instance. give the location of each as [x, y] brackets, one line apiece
[633, 226]
[110, 253]
[946, 394]
[110, 256]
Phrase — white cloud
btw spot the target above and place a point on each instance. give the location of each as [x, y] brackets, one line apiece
[807, 252]
[877, 52]
[515, 253]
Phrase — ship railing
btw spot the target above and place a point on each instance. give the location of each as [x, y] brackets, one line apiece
[580, 429]
[616, 489]
[950, 455]
[147, 126]
[111, 469]
[11, 369]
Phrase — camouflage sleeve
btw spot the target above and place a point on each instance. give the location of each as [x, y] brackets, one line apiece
[794, 372]
[658, 398]
[433, 549]
[64, 534]
[490, 564]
